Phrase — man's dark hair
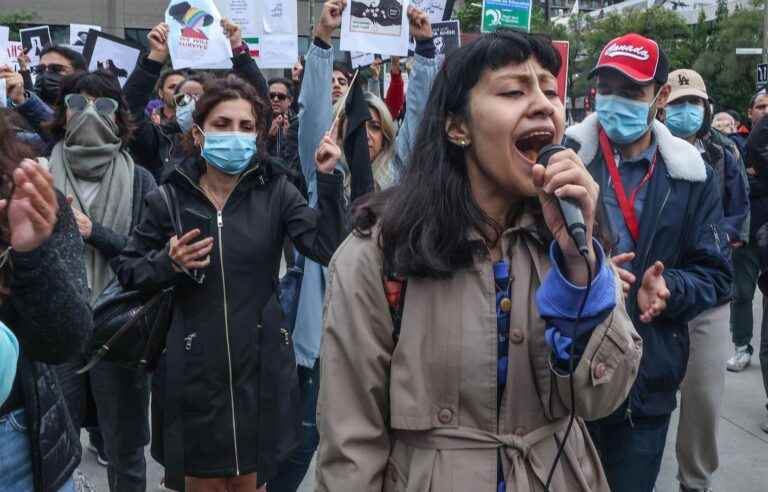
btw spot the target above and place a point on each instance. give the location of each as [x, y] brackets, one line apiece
[76, 59]
[761, 92]
[282, 80]
[169, 73]
[345, 69]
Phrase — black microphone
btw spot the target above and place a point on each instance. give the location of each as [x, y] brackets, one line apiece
[572, 216]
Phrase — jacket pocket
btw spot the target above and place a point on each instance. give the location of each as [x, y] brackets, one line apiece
[667, 359]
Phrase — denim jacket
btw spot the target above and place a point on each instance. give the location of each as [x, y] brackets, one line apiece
[315, 118]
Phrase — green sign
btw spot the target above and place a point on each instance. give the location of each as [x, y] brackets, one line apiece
[506, 14]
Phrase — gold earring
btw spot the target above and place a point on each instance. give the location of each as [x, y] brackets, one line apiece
[463, 142]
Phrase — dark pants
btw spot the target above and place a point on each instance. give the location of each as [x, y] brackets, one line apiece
[631, 455]
[746, 267]
[122, 405]
[764, 345]
[292, 471]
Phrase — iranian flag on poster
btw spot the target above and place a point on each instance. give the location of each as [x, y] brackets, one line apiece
[253, 46]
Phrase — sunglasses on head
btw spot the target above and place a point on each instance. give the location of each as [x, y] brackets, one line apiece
[51, 68]
[182, 99]
[276, 95]
[78, 103]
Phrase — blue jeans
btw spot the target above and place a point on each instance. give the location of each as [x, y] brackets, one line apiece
[631, 453]
[16, 455]
[291, 472]
[122, 405]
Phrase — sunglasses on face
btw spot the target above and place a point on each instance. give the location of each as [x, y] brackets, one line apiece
[278, 96]
[182, 100]
[52, 68]
[78, 103]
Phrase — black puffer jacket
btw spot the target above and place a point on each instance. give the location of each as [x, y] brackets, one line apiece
[226, 392]
[48, 312]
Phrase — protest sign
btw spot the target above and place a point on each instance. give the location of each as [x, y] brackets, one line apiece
[35, 39]
[436, 10]
[506, 14]
[447, 37]
[13, 50]
[372, 27]
[196, 38]
[4, 55]
[115, 55]
[360, 59]
[3, 93]
[78, 35]
[562, 47]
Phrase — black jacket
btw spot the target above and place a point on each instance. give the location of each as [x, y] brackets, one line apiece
[226, 393]
[679, 226]
[48, 312]
[159, 146]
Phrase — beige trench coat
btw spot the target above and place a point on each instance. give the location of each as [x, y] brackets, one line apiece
[421, 415]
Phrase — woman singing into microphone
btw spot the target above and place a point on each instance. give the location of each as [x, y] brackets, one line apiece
[452, 354]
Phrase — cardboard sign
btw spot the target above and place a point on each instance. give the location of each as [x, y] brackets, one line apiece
[196, 39]
[35, 39]
[112, 54]
[376, 27]
[562, 47]
[447, 37]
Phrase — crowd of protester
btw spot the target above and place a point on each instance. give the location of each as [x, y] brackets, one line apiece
[377, 275]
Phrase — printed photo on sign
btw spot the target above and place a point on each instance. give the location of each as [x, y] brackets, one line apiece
[34, 40]
[112, 54]
[377, 17]
[196, 38]
[78, 35]
[447, 37]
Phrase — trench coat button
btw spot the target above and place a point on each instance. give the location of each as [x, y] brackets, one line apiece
[445, 416]
[505, 305]
[517, 336]
[599, 371]
[519, 432]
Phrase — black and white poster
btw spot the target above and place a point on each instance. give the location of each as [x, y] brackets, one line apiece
[436, 10]
[115, 55]
[447, 37]
[375, 26]
[34, 39]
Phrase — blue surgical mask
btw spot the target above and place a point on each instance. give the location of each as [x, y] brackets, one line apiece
[684, 120]
[624, 120]
[229, 152]
[184, 116]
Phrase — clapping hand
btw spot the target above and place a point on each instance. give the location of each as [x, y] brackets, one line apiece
[33, 208]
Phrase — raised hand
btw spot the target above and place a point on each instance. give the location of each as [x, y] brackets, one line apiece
[192, 256]
[14, 84]
[32, 209]
[233, 33]
[328, 152]
[376, 68]
[330, 19]
[653, 294]
[566, 177]
[158, 43]
[627, 278]
[421, 29]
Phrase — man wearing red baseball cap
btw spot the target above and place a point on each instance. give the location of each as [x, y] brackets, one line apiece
[662, 208]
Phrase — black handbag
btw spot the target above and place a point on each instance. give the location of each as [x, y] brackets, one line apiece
[129, 326]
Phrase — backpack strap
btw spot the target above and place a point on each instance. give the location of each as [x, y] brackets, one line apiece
[394, 288]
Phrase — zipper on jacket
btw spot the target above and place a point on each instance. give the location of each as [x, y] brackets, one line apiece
[220, 222]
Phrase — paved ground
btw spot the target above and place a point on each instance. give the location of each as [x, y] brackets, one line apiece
[743, 446]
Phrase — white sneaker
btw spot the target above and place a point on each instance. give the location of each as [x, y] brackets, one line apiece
[741, 359]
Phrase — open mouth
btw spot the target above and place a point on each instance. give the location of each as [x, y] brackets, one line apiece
[531, 143]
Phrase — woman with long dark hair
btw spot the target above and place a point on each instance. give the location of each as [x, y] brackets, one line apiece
[461, 327]
[225, 395]
[43, 300]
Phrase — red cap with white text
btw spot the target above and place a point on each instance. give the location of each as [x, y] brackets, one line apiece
[636, 57]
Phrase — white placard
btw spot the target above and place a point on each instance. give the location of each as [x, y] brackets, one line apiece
[361, 59]
[278, 50]
[279, 17]
[111, 54]
[35, 39]
[375, 29]
[244, 13]
[5, 57]
[435, 9]
[78, 34]
[196, 39]
[3, 93]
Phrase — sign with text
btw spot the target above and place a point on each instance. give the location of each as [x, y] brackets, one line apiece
[447, 37]
[506, 14]
[762, 75]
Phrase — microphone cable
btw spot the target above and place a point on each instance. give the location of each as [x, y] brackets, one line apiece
[572, 417]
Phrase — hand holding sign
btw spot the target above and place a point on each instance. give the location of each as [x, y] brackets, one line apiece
[158, 43]
[421, 29]
[330, 19]
[233, 33]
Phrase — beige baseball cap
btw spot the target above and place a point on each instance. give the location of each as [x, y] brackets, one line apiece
[686, 82]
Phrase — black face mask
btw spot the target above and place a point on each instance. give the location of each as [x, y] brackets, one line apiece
[47, 87]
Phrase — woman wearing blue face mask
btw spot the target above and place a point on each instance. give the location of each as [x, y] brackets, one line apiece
[225, 397]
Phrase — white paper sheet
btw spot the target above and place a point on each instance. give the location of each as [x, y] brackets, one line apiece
[279, 17]
[374, 28]
[278, 50]
[435, 9]
[244, 13]
[112, 56]
[196, 38]
[4, 48]
[3, 93]
[78, 33]
[361, 59]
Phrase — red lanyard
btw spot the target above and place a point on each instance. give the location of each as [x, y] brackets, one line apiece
[627, 205]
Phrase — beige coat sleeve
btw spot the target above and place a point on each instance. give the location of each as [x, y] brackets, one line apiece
[353, 405]
[608, 367]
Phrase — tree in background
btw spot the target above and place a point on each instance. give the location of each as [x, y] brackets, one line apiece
[15, 21]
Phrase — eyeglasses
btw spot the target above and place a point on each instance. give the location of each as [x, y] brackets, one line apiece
[182, 99]
[276, 95]
[78, 103]
[52, 68]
